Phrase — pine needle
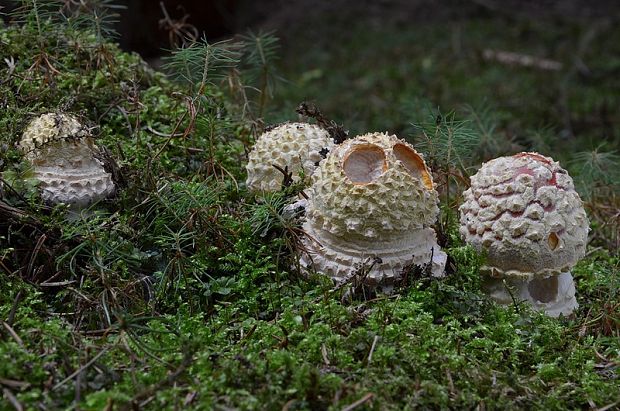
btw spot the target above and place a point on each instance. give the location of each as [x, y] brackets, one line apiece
[201, 63]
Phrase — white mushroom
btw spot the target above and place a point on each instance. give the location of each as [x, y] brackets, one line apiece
[371, 204]
[62, 153]
[296, 146]
[524, 212]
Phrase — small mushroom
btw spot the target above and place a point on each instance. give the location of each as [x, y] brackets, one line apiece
[524, 212]
[291, 147]
[370, 206]
[62, 152]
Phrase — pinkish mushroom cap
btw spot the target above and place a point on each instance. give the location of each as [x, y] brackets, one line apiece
[524, 213]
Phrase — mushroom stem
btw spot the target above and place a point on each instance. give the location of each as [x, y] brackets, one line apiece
[554, 294]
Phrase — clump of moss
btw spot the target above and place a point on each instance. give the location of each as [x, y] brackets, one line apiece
[149, 131]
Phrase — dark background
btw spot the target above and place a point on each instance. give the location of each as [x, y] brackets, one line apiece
[140, 30]
[382, 64]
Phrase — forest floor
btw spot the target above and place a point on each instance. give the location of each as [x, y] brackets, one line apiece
[179, 291]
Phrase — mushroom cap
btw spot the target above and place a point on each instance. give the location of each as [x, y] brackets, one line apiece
[372, 186]
[49, 128]
[63, 155]
[369, 209]
[523, 210]
[298, 146]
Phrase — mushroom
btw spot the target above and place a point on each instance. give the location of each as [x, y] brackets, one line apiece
[524, 212]
[294, 147]
[63, 155]
[370, 207]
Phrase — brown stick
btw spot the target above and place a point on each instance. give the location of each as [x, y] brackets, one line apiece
[13, 334]
[81, 369]
[16, 301]
[518, 59]
[13, 400]
[170, 379]
[35, 253]
[359, 402]
[12, 213]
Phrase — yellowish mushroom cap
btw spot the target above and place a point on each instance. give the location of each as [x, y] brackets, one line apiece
[369, 210]
[298, 146]
[49, 128]
[372, 186]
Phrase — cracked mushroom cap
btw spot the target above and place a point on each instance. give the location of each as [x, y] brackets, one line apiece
[298, 146]
[371, 186]
[524, 212]
[62, 152]
[369, 211]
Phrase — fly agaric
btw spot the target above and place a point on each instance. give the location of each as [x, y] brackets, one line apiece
[524, 212]
[370, 206]
[293, 147]
[61, 150]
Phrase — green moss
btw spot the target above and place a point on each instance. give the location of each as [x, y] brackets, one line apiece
[180, 291]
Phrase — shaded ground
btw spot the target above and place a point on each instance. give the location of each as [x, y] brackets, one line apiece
[374, 66]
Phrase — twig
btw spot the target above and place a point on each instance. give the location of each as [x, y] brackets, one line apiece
[57, 284]
[174, 131]
[180, 29]
[324, 354]
[13, 213]
[5, 268]
[16, 301]
[518, 59]
[166, 381]
[80, 294]
[450, 381]
[359, 402]
[336, 132]
[159, 133]
[13, 334]
[19, 385]
[249, 334]
[372, 348]
[288, 176]
[13, 400]
[608, 406]
[81, 369]
[35, 253]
